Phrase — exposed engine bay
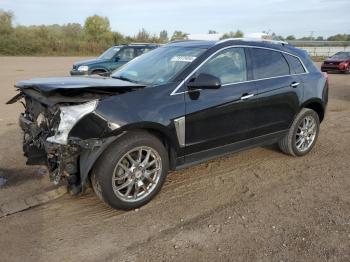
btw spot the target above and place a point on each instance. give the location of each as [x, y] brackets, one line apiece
[49, 116]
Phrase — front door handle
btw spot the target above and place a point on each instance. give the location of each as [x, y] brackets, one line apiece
[294, 84]
[246, 96]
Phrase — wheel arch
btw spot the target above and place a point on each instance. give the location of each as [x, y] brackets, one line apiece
[162, 133]
[88, 158]
[317, 106]
[102, 69]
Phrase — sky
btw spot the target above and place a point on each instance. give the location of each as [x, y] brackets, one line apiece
[284, 17]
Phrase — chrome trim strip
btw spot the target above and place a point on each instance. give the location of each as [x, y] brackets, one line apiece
[247, 96]
[294, 84]
[259, 40]
[227, 47]
[180, 126]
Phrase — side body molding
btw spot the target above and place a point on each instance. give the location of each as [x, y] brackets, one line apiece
[180, 126]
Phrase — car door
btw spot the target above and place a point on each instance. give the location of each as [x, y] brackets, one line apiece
[125, 55]
[219, 117]
[279, 90]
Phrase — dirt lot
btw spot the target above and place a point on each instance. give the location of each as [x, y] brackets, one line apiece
[258, 205]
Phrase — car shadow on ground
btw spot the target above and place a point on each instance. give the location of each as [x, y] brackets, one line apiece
[273, 148]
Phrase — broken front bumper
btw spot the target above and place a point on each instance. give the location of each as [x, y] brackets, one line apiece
[72, 161]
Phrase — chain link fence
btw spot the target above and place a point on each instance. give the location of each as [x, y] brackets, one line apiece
[322, 48]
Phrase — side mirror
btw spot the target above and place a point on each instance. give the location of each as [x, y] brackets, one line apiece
[117, 58]
[205, 81]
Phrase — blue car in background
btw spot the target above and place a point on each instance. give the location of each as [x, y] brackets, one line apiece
[111, 59]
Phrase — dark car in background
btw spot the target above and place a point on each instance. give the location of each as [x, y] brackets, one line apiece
[111, 59]
[340, 62]
[178, 105]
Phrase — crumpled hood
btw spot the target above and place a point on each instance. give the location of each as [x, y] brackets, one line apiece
[48, 85]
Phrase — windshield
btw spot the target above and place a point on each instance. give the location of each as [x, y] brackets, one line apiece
[158, 66]
[341, 55]
[109, 53]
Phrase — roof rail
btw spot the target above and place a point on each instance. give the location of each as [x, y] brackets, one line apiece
[254, 40]
[142, 44]
[180, 40]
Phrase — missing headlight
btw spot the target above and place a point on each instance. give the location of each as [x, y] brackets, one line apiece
[70, 115]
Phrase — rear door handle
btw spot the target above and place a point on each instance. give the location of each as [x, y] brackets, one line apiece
[246, 96]
[294, 84]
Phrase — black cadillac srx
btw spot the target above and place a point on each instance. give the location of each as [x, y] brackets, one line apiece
[177, 105]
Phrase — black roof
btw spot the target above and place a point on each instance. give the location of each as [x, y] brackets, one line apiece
[193, 43]
[137, 44]
[279, 45]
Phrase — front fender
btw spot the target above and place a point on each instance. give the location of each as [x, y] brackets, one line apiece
[89, 156]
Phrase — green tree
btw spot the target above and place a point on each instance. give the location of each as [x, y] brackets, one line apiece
[237, 34]
[72, 30]
[307, 38]
[6, 22]
[290, 38]
[97, 27]
[118, 38]
[163, 36]
[339, 37]
[143, 36]
[179, 35]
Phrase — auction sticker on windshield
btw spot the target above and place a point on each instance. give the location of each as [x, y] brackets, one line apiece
[188, 59]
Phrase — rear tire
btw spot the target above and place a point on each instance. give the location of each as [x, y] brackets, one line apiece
[302, 134]
[131, 171]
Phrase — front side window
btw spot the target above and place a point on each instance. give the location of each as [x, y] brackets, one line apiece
[267, 63]
[110, 53]
[126, 54]
[295, 64]
[158, 66]
[228, 65]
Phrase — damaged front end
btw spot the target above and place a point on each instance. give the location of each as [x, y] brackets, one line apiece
[47, 122]
[45, 138]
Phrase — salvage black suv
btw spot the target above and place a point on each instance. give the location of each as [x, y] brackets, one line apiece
[178, 105]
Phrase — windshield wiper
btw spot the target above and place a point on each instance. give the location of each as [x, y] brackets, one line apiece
[125, 79]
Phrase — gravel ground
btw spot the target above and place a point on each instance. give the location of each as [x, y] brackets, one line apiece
[257, 205]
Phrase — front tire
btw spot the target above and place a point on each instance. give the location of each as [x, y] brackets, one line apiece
[302, 134]
[131, 171]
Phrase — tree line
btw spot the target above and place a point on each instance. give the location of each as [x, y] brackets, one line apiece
[91, 38]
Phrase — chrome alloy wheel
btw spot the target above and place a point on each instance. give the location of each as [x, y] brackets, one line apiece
[306, 133]
[137, 174]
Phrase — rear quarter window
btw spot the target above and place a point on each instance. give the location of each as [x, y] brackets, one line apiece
[296, 66]
[268, 63]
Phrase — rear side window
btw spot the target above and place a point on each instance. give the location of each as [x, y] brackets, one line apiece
[140, 51]
[295, 65]
[268, 63]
